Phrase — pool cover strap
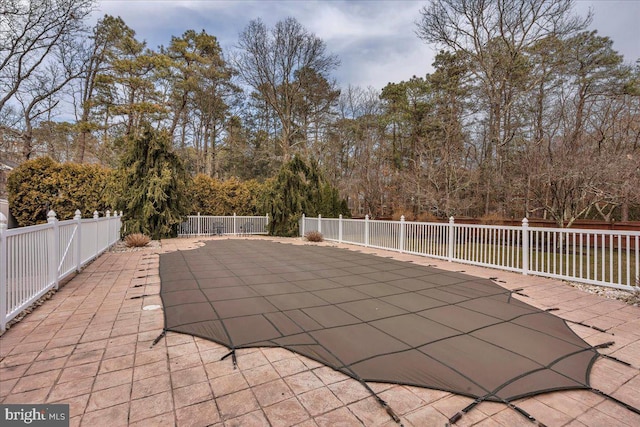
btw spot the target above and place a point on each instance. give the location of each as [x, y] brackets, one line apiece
[581, 323]
[159, 337]
[613, 399]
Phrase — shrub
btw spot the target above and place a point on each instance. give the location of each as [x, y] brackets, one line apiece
[136, 240]
[211, 196]
[314, 236]
[299, 188]
[492, 218]
[400, 212]
[42, 184]
[426, 217]
[153, 180]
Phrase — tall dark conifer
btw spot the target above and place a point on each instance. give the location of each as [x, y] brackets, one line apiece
[153, 180]
[299, 188]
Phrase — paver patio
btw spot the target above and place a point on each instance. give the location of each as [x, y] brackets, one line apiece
[90, 346]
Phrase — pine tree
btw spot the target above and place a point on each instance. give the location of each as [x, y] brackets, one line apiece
[300, 188]
[153, 180]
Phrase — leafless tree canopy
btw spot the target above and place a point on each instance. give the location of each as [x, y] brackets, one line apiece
[38, 57]
[270, 61]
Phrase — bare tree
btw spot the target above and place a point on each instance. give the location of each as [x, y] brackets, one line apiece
[268, 61]
[495, 36]
[38, 100]
[38, 57]
[356, 156]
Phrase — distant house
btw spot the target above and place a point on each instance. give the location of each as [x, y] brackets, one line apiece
[6, 166]
[4, 207]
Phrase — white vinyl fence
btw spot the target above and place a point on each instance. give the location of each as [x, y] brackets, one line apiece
[34, 259]
[207, 225]
[600, 257]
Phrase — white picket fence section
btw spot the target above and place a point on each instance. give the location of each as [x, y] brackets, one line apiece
[207, 225]
[600, 257]
[34, 259]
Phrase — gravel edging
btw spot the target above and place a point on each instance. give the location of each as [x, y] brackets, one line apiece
[121, 246]
[629, 297]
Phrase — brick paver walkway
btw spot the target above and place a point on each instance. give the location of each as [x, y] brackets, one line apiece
[90, 346]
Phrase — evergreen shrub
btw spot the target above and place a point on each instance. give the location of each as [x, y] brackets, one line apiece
[299, 188]
[153, 186]
[212, 196]
[40, 185]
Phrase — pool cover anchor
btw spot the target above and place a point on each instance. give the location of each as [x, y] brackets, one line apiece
[380, 400]
[613, 399]
[158, 338]
[524, 413]
[581, 323]
[615, 359]
[455, 418]
[232, 353]
[390, 411]
[141, 296]
[519, 292]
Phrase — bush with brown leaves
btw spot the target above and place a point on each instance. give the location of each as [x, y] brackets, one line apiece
[314, 236]
[136, 240]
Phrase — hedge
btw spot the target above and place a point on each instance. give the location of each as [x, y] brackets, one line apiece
[42, 184]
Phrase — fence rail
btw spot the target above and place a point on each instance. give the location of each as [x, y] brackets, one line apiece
[34, 259]
[600, 257]
[208, 225]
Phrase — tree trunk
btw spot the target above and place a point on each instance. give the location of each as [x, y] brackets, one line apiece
[27, 144]
[624, 211]
[82, 146]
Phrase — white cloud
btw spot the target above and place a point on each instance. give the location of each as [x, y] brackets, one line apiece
[375, 40]
[618, 20]
[337, 20]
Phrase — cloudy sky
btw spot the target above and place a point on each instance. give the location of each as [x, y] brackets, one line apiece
[375, 40]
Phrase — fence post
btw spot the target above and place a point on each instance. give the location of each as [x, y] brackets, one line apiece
[401, 242]
[451, 241]
[54, 248]
[108, 215]
[319, 223]
[3, 272]
[234, 224]
[112, 229]
[97, 236]
[525, 246]
[115, 236]
[340, 228]
[302, 225]
[366, 230]
[78, 219]
[266, 225]
[198, 222]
